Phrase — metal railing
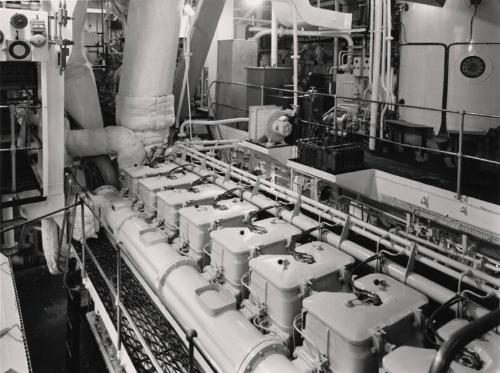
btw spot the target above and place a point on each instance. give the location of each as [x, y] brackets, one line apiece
[460, 156]
[116, 293]
[82, 201]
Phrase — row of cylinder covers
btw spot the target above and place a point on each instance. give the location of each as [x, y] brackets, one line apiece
[286, 289]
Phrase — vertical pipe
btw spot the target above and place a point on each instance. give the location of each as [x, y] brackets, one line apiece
[295, 58]
[261, 95]
[274, 39]
[335, 47]
[460, 155]
[376, 72]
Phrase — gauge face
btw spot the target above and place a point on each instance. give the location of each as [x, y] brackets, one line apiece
[19, 21]
[19, 50]
[472, 67]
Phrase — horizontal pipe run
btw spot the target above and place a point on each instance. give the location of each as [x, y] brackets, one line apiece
[394, 269]
[359, 99]
[182, 129]
[370, 231]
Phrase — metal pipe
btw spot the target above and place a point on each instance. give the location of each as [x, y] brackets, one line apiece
[462, 338]
[295, 58]
[198, 122]
[360, 227]
[376, 72]
[274, 39]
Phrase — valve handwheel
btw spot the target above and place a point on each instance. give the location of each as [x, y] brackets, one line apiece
[19, 21]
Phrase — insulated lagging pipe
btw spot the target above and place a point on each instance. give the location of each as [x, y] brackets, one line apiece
[145, 103]
[80, 90]
[112, 140]
[224, 334]
[376, 67]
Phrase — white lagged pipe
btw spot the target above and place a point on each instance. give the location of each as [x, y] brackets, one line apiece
[145, 103]
[80, 96]
[224, 333]
[295, 58]
[182, 130]
[377, 32]
[274, 39]
[115, 140]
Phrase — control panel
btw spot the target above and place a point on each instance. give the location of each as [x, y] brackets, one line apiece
[23, 35]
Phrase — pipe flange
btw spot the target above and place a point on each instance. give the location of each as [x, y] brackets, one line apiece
[258, 353]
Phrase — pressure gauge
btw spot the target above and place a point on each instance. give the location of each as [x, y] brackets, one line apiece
[19, 50]
[472, 67]
[19, 21]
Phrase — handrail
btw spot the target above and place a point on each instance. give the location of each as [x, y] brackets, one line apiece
[462, 113]
[461, 338]
[85, 200]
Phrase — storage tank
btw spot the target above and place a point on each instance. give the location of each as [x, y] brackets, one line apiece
[444, 65]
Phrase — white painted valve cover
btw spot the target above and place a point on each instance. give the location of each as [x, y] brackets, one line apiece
[149, 187]
[347, 325]
[171, 201]
[419, 360]
[277, 281]
[232, 248]
[133, 174]
[196, 222]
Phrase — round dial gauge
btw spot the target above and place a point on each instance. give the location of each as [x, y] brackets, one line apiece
[19, 50]
[472, 67]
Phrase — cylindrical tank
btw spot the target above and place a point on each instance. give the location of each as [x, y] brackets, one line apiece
[450, 58]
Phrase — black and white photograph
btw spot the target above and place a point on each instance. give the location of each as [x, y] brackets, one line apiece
[249, 186]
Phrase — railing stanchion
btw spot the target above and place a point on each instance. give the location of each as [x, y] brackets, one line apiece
[83, 238]
[118, 297]
[460, 155]
[191, 334]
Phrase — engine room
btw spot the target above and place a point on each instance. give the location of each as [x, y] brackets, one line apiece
[299, 186]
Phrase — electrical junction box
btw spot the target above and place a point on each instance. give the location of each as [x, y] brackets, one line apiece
[232, 249]
[351, 333]
[280, 282]
[171, 201]
[361, 69]
[149, 187]
[132, 175]
[419, 360]
[196, 222]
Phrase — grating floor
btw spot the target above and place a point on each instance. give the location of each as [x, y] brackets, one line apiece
[166, 345]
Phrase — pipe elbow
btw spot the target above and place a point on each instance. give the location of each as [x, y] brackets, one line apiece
[114, 140]
[126, 145]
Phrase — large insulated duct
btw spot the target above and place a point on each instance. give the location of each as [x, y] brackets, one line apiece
[145, 103]
[112, 140]
[224, 333]
[80, 90]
